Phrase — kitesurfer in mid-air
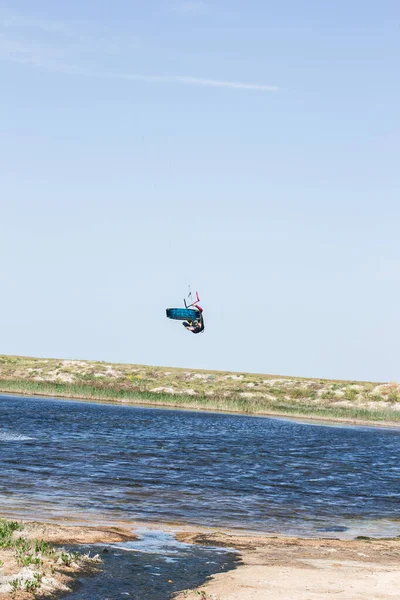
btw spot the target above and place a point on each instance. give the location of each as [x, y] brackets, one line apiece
[197, 325]
[191, 315]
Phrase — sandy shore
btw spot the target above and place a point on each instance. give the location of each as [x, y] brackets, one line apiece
[271, 568]
[303, 569]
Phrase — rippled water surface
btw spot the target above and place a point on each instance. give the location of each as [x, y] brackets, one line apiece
[272, 475]
[155, 567]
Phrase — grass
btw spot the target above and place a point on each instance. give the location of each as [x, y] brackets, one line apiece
[198, 389]
[38, 554]
[218, 403]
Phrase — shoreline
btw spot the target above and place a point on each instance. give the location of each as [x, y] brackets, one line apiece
[372, 529]
[312, 399]
[273, 566]
[302, 417]
[300, 568]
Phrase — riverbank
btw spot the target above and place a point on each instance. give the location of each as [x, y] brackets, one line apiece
[243, 393]
[281, 568]
[270, 567]
[34, 563]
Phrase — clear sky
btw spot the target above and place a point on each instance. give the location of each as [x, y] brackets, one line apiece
[248, 148]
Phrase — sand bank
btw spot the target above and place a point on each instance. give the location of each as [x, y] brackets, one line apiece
[302, 569]
[272, 568]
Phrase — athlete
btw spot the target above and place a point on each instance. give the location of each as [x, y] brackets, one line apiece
[196, 325]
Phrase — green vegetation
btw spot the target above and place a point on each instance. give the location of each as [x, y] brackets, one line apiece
[195, 389]
[38, 554]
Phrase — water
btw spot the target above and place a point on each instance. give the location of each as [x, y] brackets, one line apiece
[146, 464]
[153, 568]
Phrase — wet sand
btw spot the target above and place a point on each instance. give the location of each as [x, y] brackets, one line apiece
[271, 568]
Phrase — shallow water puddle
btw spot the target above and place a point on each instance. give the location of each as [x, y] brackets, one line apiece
[152, 568]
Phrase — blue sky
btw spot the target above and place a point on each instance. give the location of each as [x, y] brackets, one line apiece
[250, 149]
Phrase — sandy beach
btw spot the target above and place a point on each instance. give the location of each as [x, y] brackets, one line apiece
[271, 568]
[303, 569]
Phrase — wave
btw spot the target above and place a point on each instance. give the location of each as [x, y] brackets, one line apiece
[9, 436]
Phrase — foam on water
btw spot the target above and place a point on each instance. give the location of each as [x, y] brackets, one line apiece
[158, 542]
[9, 436]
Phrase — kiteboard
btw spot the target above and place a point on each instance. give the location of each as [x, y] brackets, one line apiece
[182, 314]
